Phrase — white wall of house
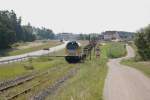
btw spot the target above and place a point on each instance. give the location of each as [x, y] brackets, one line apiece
[117, 37]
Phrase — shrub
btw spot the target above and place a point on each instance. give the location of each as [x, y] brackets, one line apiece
[142, 41]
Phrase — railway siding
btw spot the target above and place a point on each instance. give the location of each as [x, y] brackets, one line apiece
[6, 85]
[51, 89]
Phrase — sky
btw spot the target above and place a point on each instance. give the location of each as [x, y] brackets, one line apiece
[86, 16]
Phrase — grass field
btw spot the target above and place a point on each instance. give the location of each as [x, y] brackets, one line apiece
[140, 65]
[116, 50]
[56, 68]
[17, 51]
[88, 83]
[45, 81]
[16, 69]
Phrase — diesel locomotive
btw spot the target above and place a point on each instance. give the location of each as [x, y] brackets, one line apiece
[73, 52]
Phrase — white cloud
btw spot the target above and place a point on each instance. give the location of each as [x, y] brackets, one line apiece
[82, 15]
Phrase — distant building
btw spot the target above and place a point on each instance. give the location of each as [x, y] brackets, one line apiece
[116, 36]
[110, 35]
[67, 36]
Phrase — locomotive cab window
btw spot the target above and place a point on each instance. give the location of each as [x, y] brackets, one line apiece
[72, 46]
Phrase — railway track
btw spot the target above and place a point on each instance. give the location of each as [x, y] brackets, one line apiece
[52, 88]
[12, 83]
[7, 85]
[7, 88]
[26, 90]
[48, 90]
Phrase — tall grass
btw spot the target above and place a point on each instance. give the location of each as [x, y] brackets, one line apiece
[116, 50]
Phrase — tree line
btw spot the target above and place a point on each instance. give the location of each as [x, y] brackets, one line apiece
[11, 30]
[44, 33]
[142, 42]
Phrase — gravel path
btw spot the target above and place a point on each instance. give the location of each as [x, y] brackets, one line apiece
[125, 83]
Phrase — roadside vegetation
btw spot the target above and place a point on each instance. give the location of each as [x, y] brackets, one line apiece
[141, 45]
[136, 62]
[116, 49]
[140, 65]
[142, 42]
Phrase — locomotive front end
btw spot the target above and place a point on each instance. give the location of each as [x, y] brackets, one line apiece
[73, 52]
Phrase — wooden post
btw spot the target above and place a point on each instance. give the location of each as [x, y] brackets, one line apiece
[90, 44]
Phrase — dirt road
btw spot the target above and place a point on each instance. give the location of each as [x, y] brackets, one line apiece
[125, 83]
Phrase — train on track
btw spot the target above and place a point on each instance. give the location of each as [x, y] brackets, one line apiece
[74, 52]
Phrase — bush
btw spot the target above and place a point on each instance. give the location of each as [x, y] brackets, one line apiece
[28, 67]
[142, 41]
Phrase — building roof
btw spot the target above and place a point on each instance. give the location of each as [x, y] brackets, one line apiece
[109, 32]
